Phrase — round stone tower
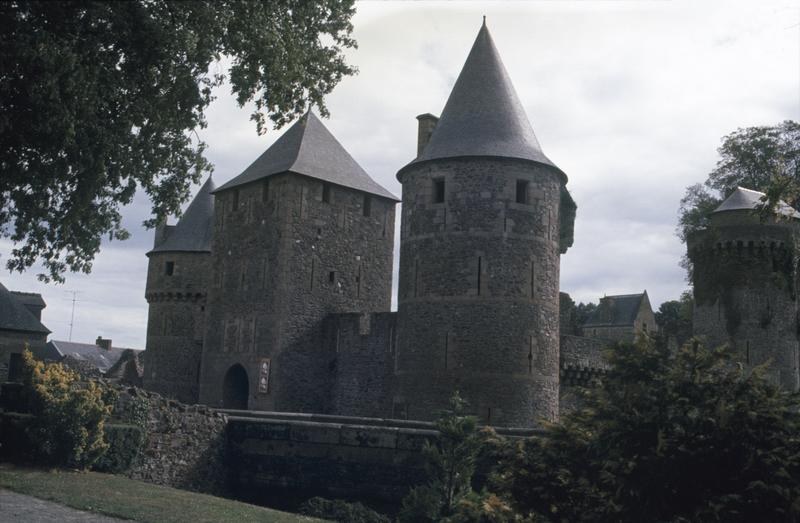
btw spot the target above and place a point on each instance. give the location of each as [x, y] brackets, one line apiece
[485, 218]
[177, 281]
[745, 284]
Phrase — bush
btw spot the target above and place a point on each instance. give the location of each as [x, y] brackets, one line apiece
[67, 428]
[342, 511]
[686, 436]
[450, 464]
[124, 444]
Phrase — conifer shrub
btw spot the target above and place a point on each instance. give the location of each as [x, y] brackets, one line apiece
[450, 464]
[68, 415]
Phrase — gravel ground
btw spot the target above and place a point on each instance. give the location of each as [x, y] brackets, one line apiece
[19, 507]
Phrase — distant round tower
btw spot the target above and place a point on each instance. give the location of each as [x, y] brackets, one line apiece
[177, 280]
[745, 284]
[485, 218]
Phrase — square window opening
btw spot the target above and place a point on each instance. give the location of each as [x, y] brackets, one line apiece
[438, 190]
[367, 207]
[326, 193]
[522, 191]
[235, 205]
[265, 190]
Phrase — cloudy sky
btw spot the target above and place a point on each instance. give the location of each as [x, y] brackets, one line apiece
[630, 99]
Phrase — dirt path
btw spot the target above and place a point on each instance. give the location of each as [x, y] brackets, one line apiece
[22, 508]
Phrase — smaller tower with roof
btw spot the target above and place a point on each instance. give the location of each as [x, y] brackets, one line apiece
[745, 277]
[177, 279]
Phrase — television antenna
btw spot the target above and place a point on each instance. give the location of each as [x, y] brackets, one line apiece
[72, 315]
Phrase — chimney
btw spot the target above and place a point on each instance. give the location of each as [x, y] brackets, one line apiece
[103, 343]
[427, 123]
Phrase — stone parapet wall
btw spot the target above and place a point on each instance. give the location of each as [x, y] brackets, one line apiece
[185, 445]
[304, 455]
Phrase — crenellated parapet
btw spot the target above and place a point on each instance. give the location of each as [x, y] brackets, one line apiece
[159, 297]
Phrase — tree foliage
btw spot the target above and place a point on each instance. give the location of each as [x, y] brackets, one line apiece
[450, 464]
[688, 436]
[674, 318]
[765, 158]
[101, 99]
[68, 415]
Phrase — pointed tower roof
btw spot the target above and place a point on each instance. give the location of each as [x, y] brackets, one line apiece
[747, 199]
[309, 148]
[15, 316]
[483, 115]
[194, 229]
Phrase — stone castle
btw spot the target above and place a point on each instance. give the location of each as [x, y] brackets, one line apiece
[273, 291]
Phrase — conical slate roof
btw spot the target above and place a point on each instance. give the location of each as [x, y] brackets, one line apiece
[15, 316]
[747, 199]
[483, 115]
[309, 148]
[193, 231]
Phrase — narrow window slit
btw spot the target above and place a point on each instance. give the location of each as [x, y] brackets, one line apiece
[480, 263]
[530, 355]
[533, 278]
[446, 348]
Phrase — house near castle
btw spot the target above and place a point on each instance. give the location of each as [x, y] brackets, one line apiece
[20, 325]
[621, 318]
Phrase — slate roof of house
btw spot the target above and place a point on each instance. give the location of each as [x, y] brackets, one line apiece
[616, 311]
[748, 199]
[309, 148]
[30, 298]
[483, 115]
[101, 358]
[193, 231]
[14, 315]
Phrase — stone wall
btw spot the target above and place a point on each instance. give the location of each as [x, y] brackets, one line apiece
[478, 296]
[364, 345]
[185, 443]
[283, 259]
[581, 361]
[282, 459]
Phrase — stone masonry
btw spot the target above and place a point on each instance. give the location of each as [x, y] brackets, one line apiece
[745, 276]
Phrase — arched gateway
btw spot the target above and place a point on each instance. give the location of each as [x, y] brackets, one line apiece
[235, 388]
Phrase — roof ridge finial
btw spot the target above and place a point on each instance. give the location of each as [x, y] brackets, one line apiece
[484, 20]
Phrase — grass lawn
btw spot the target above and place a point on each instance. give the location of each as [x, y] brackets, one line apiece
[125, 498]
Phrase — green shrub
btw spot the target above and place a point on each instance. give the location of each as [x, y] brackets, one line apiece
[124, 444]
[342, 511]
[67, 427]
[450, 464]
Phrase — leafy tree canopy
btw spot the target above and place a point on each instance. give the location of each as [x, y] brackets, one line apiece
[686, 436]
[764, 159]
[99, 99]
[674, 318]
